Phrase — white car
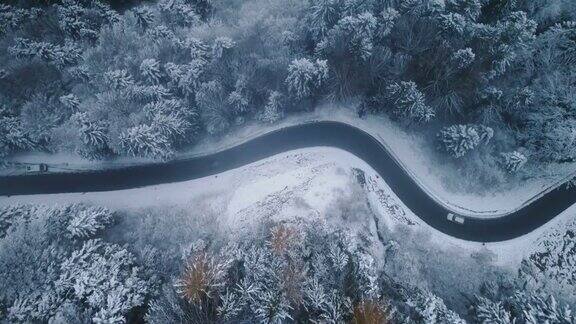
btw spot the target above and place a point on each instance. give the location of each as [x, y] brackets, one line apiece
[455, 218]
[37, 168]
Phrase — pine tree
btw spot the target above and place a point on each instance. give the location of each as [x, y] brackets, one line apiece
[74, 20]
[106, 277]
[210, 98]
[352, 36]
[462, 58]
[458, 140]
[13, 214]
[150, 70]
[186, 78]
[172, 126]
[470, 9]
[221, 46]
[59, 55]
[239, 98]
[85, 223]
[118, 79]
[429, 308]
[540, 308]
[70, 101]
[93, 134]
[305, 77]
[513, 161]
[145, 141]
[179, 12]
[487, 311]
[322, 16]
[409, 102]
[145, 93]
[144, 17]
[386, 22]
[12, 17]
[13, 137]
[273, 109]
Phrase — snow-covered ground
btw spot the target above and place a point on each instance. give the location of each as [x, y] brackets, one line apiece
[411, 150]
[296, 184]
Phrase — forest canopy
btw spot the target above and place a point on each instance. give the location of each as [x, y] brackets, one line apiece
[493, 80]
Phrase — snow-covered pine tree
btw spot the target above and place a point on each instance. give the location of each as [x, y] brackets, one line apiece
[458, 140]
[174, 119]
[210, 98]
[540, 308]
[150, 70]
[239, 98]
[92, 134]
[13, 137]
[118, 79]
[70, 101]
[145, 141]
[186, 78]
[221, 46]
[144, 17]
[12, 17]
[487, 311]
[86, 222]
[513, 161]
[352, 37]
[305, 77]
[409, 102]
[462, 58]
[429, 308]
[14, 213]
[322, 16]
[179, 12]
[106, 277]
[59, 55]
[147, 93]
[386, 22]
[273, 111]
[172, 126]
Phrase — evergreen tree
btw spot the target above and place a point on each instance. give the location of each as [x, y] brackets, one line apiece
[273, 111]
[145, 141]
[144, 17]
[118, 79]
[322, 16]
[351, 37]
[429, 308]
[220, 46]
[150, 70]
[210, 98]
[13, 137]
[458, 140]
[59, 55]
[87, 222]
[513, 161]
[487, 311]
[106, 277]
[305, 77]
[408, 102]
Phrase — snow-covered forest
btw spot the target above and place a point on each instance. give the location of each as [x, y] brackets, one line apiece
[80, 264]
[490, 83]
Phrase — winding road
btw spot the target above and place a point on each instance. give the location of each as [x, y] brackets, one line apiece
[333, 134]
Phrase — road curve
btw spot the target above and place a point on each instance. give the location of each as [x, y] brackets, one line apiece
[333, 134]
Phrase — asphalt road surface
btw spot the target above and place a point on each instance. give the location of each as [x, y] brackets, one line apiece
[331, 134]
